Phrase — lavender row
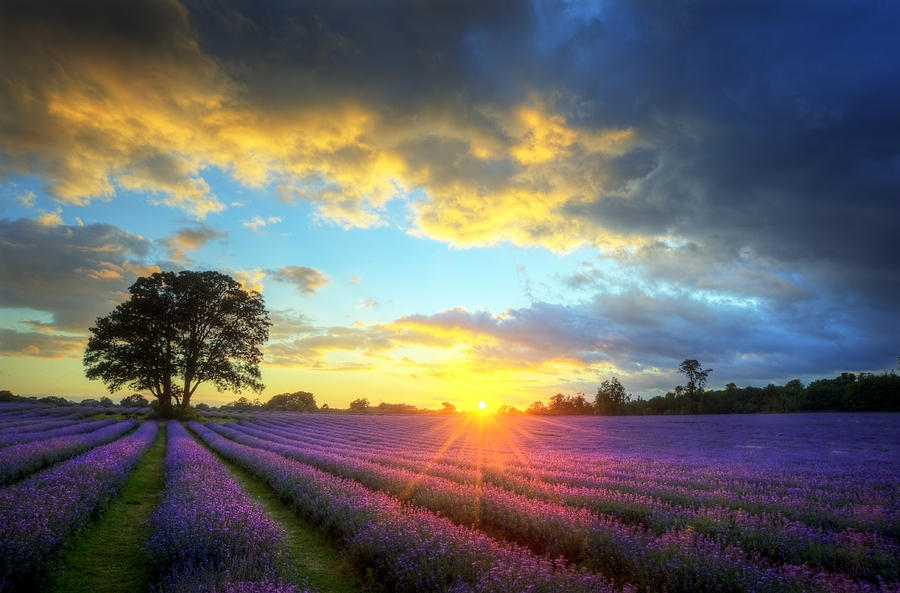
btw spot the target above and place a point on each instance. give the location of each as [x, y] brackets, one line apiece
[51, 430]
[40, 415]
[35, 424]
[864, 556]
[39, 513]
[410, 549]
[627, 552]
[17, 461]
[207, 534]
[624, 485]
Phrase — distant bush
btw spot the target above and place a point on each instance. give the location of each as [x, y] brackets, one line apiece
[135, 400]
[299, 401]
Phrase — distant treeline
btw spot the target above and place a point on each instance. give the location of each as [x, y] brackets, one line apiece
[132, 401]
[847, 392]
[303, 401]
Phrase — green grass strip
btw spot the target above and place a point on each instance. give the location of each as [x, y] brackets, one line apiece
[108, 555]
[315, 558]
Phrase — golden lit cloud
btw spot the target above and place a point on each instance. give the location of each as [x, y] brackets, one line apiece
[155, 121]
[50, 218]
[525, 348]
[542, 137]
[257, 222]
[107, 271]
[250, 279]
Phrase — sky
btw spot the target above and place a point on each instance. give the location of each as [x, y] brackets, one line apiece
[460, 201]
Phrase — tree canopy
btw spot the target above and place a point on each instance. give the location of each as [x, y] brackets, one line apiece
[696, 375]
[360, 404]
[177, 331]
[611, 397]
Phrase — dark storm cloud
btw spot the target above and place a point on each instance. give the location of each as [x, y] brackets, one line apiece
[399, 53]
[776, 128]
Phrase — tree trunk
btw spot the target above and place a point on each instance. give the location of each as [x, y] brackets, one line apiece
[186, 394]
[165, 399]
[165, 406]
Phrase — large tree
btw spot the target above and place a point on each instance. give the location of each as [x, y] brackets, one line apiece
[177, 331]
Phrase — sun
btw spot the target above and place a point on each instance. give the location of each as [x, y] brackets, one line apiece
[481, 405]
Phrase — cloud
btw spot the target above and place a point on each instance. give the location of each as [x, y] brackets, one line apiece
[306, 280]
[27, 199]
[250, 279]
[173, 177]
[105, 96]
[351, 152]
[313, 351]
[190, 239]
[73, 273]
[256, 223]
[13, 343]
[50, 218]
[366, 303]
[639, 337]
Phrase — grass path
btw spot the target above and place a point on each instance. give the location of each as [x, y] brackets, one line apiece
[315, 558]
[108, 556]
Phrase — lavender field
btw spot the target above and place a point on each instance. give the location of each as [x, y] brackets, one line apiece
[476, 502]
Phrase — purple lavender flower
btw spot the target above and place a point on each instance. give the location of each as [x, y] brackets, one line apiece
[689, 525]
[411, 549]
[19, 460]
[207, 533]
[38, 513]
[49, 430]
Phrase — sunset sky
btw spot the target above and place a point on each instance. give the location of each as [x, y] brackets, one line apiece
[460, 201]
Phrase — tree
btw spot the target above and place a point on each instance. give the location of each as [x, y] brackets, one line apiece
[611, 397]
[448, 408]
[695, 375]
[401, 408]
[359, 405]
[563, 405]
[194, 326]
[135, 400]
[509, 410]
[299, 401]
[243, 404]
[538, 408]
